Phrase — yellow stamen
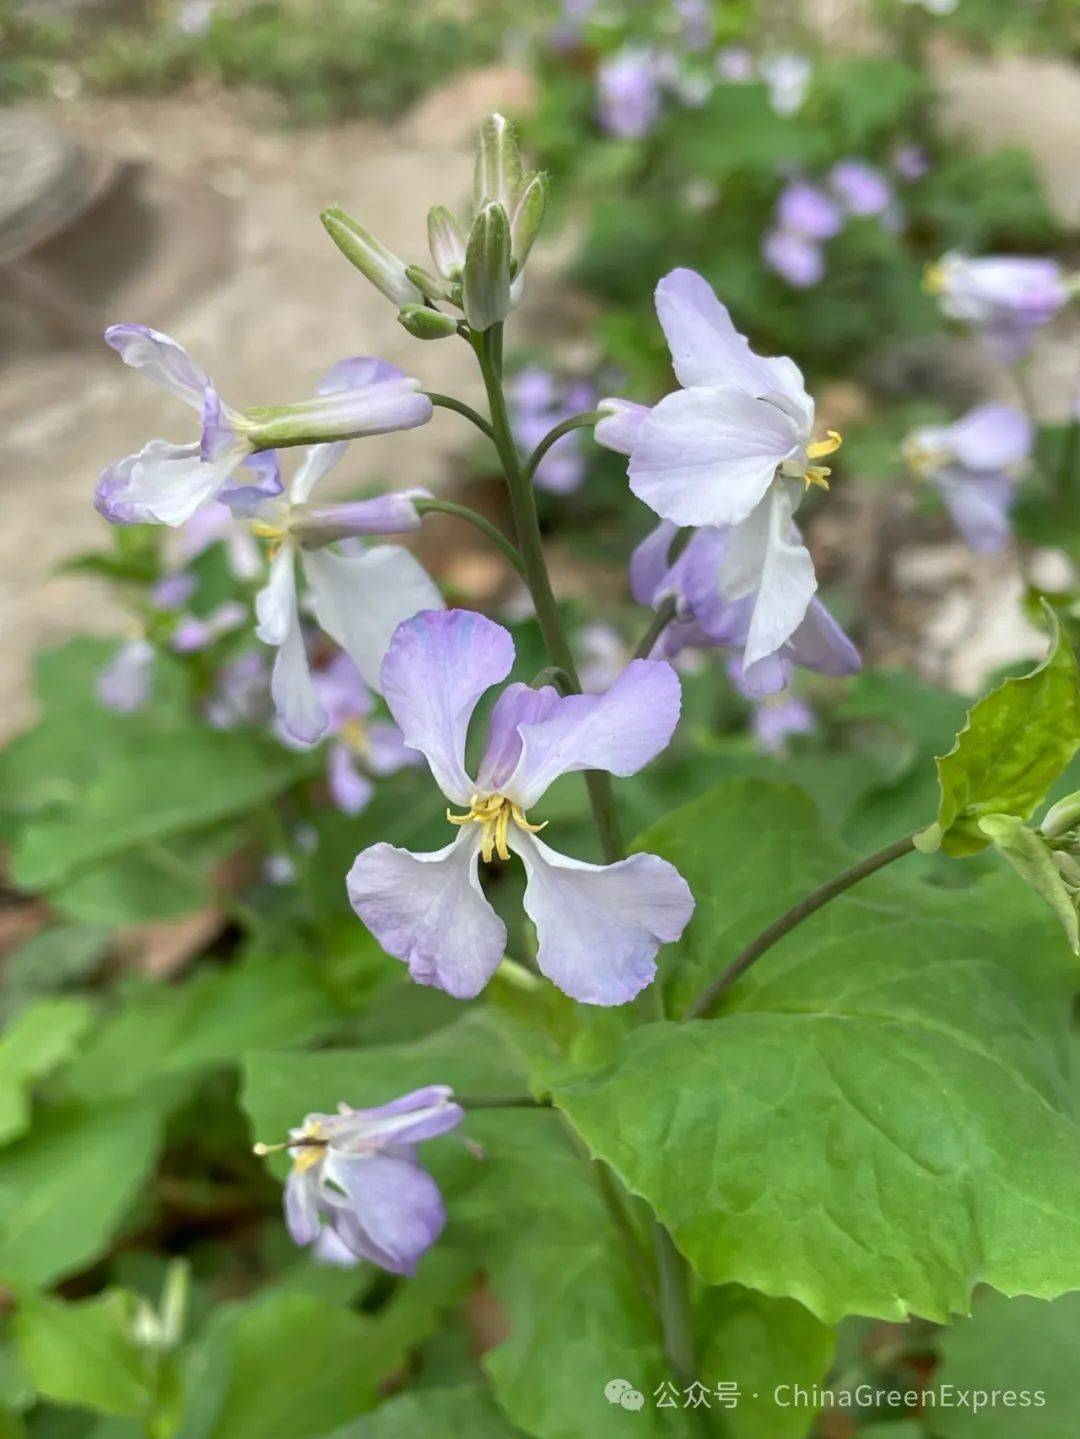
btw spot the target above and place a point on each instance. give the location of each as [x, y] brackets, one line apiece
[934, 278]
[494, 813]
[354, 734]
[274, 533]
[819, 474]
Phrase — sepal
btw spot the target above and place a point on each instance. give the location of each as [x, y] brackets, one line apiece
[374, 261]
[486, 288]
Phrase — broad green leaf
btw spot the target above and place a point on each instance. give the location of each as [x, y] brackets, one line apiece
[85, 1353]
[193, 778]
[1029, 855]
[765, 1346]
[51, 961]
[1016, 742]
[468, 1411]
[210, 1019]
[880, 1113]
[66, 1185]
[1020, 1346]
[34, 1044]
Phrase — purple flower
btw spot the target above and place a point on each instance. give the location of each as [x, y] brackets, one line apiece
[795, 258]
[808, 210]
[1007, 297]
[239, 693]
[598, 926]
[714, 611]
[124, 683]
[360, 598]
[861, 189]
[167, 483]
[603, 657]
[974, 465]
[538, 402]
[628, 100]
[357, 1190]
[911, 162]
[697, 23]
[193, 633]
[174, 590]
[732, 451]
[735, 64]
[774, 720]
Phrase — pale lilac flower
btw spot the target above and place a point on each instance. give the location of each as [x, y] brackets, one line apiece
[774, 719]
[911, 162]
[974, 464]
[861, 189]
[628, 98]
[598, 926]
[174, 590]
[124, 683]
[239, 695]
[731, 450]
[794, 257]
[697, 25]
[1007, 297]
[166, 483]
[538, 402]
[357, 1190]
[808, 210]
[603, 656]
[215, 523]
[787, 78]
[707, 618]
[359, 599]
[195, 633]
[735, 64]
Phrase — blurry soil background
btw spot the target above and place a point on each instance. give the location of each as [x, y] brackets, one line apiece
[209, 229]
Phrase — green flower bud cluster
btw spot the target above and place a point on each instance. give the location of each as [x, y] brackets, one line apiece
[478, 273]
[1047, 858]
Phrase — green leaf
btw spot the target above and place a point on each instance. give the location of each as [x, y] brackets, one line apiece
[1016, 742]
[468, 1411]
[195, 778]
[1030, 856]
[1021, 1346]
[85, 1353]
[33, 1045]
[50, 961]
[881, 1112]
[66, 1185]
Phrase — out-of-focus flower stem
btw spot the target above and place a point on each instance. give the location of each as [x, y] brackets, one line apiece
[463, 512]
[576, 422]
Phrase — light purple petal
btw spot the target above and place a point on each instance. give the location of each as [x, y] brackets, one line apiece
[808, 210]
[774, 723]
[372, 409]
[357, 371]
[302, 1206]
[766, 556]
[706, 348]
[386, 750]
[411, 1118]
[599, 926]
[820, 644]
[330, 1248]
[161, 359]
[350, 791]
[361, 599]
[317, 463]
[795, 258]
[276, 604]
[437, 667]
[125, 682]
[342, 693]
[649, 568]
[990, 437]
[628, 100]
[295, 702]
[164, 484]
[174, 590]
[429, 910]
[620, 424]
[862, 189]
[707, 456]
[979, 505]
[393, 514]
[620, 731]
[517, 705]
[396, 1205]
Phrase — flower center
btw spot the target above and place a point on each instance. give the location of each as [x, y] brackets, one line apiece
[309, 1147]
[934, 278]
[815, 474]
[494, 813]
[274, 533]
[353, 734]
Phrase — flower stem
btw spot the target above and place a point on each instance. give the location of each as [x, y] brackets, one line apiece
[447, 402]
[463, 512]
[676, 1312]
[806, 906]
[575, 422]
[501, 1101]
[660, 621]
[488, 346]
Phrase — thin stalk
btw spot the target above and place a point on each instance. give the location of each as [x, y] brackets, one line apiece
[1068, 466]
[807, 906]
[575, 422]
[676, 1310]
[488, 347]
[660, 621]
[463, 512]
[447, 402]
[501, 1101]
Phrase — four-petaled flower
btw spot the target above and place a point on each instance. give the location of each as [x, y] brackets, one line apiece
[167, 483]
[1007, 297]
[598, 926]
[974, 464]
[357, 1190]
[732, 451]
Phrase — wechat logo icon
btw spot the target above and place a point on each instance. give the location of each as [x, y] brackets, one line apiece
[621, 1391]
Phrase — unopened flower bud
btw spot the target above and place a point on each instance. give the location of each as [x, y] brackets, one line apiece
[385, 271]
[430, 287]
[423, 323]
[528, 217]
[498, 166]
[486, 287]
[447, 243]
[1061, 817]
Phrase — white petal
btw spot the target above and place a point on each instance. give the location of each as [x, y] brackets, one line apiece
[161, 359]
[275, 604]
[766, 554]
[318, 461]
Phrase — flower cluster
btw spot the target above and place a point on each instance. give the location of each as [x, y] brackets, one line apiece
[808, 214]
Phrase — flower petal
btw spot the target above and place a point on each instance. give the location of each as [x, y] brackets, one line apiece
[295, 701]
[979, 505]
[517, 705]
[620, 424]
[350, 791]
[302, 1205]
[820, 644]
[392, 1212]
[275, 604]
[706, 348]
[707, 456]
[317, 463]
[163, 361]
[392, 514]
[766, 554]
[409, 1119]
[429, 910]
[164, 484]
[361, 599]
[991, 437]
[437, 667]
[619, 731]
[599, 926]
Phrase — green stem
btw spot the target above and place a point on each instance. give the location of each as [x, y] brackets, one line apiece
[676, 1311]
[501, 1101]
[447, 402]
[806, 906]
[660, 621]
[575, 422]
[463, 512]
[488, 346]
